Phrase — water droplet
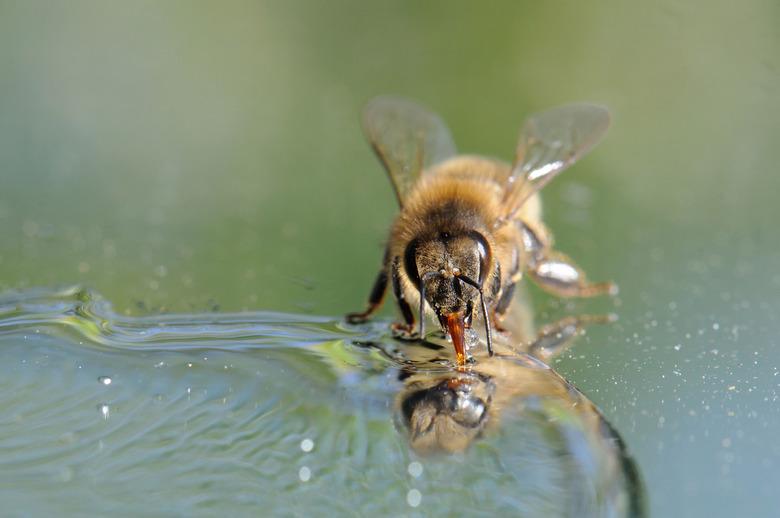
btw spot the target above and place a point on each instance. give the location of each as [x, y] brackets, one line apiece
[415, 469]
[105, 380]
[304, 474]
[471, 338]
[66, 474]
[104, 410]
[413, 497]
[307, 445]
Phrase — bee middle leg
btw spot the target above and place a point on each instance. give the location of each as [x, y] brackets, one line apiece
[555, 272]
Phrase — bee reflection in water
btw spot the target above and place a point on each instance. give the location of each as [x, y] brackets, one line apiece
[444, 410]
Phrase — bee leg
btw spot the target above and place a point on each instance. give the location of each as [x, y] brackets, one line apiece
[374, 299]
[553, 271]
[502, 306]
[557, 274]
[404, 331]
[555, 338]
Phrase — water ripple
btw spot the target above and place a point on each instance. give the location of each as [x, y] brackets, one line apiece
[90, 317]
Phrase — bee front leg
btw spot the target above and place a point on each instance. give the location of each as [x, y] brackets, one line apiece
[404, 331]
[507, 293]
[374, 299]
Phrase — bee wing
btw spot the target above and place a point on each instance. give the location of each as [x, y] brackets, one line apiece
[407, 137]
[550, 142]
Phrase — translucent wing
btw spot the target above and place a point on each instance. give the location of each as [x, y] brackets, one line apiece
[549, 143]
[407, 137]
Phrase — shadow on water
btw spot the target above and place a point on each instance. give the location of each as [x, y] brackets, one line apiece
[221, 411]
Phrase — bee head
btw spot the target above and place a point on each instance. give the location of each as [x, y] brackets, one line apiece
[449, 269]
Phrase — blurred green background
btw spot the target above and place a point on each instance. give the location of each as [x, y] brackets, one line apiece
[189, 156]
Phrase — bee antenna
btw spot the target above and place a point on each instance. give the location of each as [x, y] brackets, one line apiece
[485, 316]
[424, 278]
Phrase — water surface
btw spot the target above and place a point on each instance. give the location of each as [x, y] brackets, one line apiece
[237, 413]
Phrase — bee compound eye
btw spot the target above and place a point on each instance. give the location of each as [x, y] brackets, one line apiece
[485, 254]
[410, 262]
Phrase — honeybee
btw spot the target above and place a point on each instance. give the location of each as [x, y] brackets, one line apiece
[470, 227]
